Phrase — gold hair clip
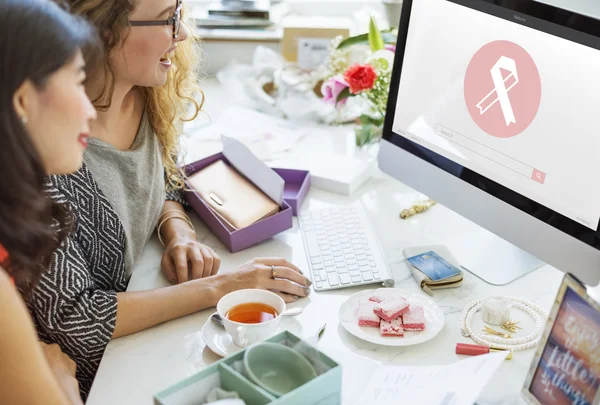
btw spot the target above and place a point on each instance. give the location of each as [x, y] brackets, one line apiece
[417, 209]
[490, 331]
[511, 326]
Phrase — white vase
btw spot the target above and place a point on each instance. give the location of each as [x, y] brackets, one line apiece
[393, 9]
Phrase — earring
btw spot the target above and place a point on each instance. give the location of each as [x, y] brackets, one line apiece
[24, 120]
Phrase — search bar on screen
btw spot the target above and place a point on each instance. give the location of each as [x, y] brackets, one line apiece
[495, 156]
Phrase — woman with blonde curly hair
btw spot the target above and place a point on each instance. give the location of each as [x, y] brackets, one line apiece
[129, 184]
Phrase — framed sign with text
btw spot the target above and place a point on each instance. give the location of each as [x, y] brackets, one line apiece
[566, 367]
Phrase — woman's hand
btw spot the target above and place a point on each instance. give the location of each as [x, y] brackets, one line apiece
[64, 370]
[258, 273]
[187, 259]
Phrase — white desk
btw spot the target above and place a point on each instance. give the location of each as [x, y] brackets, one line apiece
[137, 366]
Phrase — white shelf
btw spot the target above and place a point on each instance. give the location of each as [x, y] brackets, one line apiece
[271, 34]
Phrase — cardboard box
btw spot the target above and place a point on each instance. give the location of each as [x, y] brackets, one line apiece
[313, 33]
[326, 389]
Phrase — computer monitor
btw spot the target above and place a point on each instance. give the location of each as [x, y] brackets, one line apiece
[494, 111]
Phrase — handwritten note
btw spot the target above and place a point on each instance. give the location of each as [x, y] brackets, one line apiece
[456, 384]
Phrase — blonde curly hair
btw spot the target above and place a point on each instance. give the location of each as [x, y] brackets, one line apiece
[168, 106]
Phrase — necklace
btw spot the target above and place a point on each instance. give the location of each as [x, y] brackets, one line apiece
[515, 344]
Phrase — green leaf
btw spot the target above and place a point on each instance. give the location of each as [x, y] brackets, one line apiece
[367, 134]
[375, 39]
[344, 94]
[367, 119]
[388, 36]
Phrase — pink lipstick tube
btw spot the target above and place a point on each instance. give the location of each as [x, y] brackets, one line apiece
[476, 350]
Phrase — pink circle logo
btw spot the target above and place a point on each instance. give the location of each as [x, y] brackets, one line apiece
[503, 89]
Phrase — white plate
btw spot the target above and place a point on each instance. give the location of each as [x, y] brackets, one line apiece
[434, 318]
[220, 342]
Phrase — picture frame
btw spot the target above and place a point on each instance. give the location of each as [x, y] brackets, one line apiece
[566, 366]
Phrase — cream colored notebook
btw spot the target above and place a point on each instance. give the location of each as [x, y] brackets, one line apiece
[232, 197]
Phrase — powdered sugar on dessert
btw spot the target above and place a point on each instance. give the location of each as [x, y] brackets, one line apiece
[393, 328]
[391, 309]
[391, 313]
[366, 316]
[414, 319]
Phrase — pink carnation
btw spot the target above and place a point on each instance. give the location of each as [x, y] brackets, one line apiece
[332, 88]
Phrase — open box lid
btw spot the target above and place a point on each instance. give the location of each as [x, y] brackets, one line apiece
[245, 162]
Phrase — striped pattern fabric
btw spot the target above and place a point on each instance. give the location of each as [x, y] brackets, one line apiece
[75, 303]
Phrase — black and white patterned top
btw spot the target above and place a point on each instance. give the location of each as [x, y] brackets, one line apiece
[75, 303]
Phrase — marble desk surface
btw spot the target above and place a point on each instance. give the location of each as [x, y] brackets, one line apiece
[136, 367]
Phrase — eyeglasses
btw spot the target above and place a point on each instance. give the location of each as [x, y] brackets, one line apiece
[174, 20]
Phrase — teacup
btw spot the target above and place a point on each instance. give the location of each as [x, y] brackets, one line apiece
[245, 334]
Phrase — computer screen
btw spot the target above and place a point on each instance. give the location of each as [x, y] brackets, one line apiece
[517, 105]
[494, 111]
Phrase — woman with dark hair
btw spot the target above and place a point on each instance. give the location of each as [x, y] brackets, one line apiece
[44, 121]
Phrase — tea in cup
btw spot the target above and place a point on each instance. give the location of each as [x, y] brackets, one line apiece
[251, 315]
[252, 312]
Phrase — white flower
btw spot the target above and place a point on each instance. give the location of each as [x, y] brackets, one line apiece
[358, 54]
[386, 55]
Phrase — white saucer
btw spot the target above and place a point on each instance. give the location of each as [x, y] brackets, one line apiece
[220, 342]
[434, 318]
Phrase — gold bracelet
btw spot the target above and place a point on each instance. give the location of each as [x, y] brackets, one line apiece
[183, 218]
[168, 211]
[187, 218]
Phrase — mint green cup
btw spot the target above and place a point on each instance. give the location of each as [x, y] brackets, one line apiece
[276, 368]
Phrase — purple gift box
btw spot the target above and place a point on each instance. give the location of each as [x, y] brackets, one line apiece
[297, 183]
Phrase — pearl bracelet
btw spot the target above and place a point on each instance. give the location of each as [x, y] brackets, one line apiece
[515, 344]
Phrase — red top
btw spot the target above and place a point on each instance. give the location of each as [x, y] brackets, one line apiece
[3, 257]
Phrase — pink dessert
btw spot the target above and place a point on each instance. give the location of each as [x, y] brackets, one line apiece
[376, 298]
[366, 316]
[414, 319]
[393, 328]
[391, 309]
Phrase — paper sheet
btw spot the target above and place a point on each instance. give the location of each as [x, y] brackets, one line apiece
[356, 371]
[265, 135]
[460, 383]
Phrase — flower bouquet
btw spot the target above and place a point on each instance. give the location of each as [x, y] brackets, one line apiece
[361, 67]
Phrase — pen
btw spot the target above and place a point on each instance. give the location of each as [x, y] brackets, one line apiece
[321, 332]
[476, 350]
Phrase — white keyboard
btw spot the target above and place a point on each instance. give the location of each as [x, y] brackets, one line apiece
[342, 249]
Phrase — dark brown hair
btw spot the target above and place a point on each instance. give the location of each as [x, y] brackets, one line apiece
[37, 38]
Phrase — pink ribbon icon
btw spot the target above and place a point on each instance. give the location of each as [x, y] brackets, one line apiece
[500, 91]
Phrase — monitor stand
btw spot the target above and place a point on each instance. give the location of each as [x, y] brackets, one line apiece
[491, 258]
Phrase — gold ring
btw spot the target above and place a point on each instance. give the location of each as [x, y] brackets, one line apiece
[273, 272]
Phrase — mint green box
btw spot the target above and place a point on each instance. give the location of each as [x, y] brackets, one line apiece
[326, 389]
